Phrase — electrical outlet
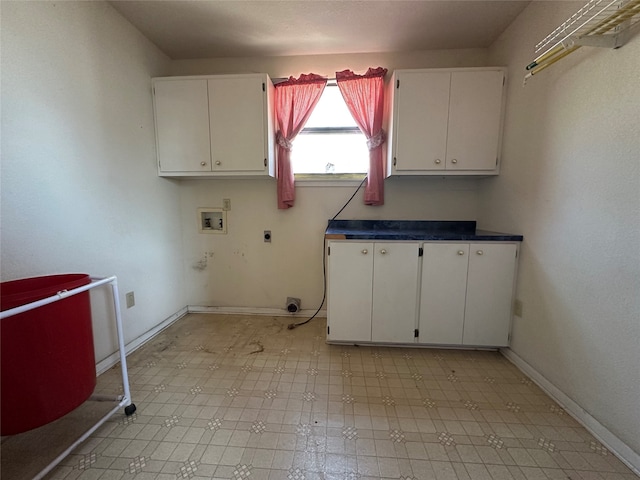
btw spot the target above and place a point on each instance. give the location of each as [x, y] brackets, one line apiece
[226, 204]
[131, 299]
[267, 236]
[517, 308]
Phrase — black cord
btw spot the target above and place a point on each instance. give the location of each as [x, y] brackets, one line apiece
[291, 326]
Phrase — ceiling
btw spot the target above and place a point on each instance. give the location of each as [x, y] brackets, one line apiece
[246, 28]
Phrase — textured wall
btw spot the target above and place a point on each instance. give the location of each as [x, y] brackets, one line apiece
[79, 185]
[570, 184]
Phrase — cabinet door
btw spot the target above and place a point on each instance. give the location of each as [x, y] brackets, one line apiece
[421, 120]
[350, 277]
[182, 125]
[443, 290]
[237, 110]
[475, 112]
[395, 292]
[489, 294]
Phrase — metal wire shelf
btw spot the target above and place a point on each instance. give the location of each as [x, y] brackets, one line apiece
[599, 23]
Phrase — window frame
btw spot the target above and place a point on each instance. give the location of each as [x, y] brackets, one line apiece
[331, 179]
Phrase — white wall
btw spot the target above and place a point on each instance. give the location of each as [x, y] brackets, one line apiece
[243, 271]
[570, 183]
[79, 185]
[328, 65]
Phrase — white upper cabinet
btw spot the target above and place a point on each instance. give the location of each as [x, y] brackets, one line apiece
[214, 126]
[445, 122]
[475, 114]
[182, 125]
[421, 114]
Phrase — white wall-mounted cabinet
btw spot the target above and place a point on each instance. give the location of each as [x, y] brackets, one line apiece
[445, 121]
[214, 126]
[372, 291]
[467, 293]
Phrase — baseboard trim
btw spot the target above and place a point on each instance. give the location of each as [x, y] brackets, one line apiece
[277, 312]
[105, 364]
[620, 449]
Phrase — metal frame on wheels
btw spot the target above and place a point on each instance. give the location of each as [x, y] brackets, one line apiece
[123, 400]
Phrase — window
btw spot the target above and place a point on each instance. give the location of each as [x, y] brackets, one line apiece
[331, 142]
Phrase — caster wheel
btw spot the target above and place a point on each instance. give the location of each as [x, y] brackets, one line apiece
[130, 409]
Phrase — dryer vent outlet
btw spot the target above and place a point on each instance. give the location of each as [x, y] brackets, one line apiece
[293, 305]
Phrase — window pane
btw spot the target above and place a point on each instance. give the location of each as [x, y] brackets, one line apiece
[330, 153]
[331, 111]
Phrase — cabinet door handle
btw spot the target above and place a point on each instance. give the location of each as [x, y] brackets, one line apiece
[480, 252]
[383, 251]
[437, 162]
[460, 252]
[203, 163]
[218, 162]
[365, 251]
[454, 161]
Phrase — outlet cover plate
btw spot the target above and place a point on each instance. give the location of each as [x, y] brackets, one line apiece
[517, 308]
[131, 299]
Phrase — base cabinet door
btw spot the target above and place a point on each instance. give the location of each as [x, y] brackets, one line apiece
[349, 292]
[442, 295]
[489, 298]
[395, 292]
[466, 294]
[372, 291]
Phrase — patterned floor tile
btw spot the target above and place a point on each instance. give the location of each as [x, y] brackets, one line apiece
[228, 398]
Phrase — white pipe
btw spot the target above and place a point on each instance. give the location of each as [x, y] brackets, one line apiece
[86, 435]
[95, 282]
[123, 353]
[106, 398]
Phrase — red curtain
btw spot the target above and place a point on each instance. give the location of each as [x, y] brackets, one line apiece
[295, 99]
[364, 95]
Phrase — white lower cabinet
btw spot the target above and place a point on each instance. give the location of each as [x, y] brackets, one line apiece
[442, 295]
[466, 293]
[372, 291]
[489, 301]
[458, 294]
[349, 292]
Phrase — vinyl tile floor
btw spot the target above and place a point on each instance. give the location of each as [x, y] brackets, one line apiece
[243, 397]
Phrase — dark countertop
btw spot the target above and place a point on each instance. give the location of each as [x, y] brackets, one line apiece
[414, 230]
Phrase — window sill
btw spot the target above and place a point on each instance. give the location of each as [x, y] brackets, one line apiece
[329, 180]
